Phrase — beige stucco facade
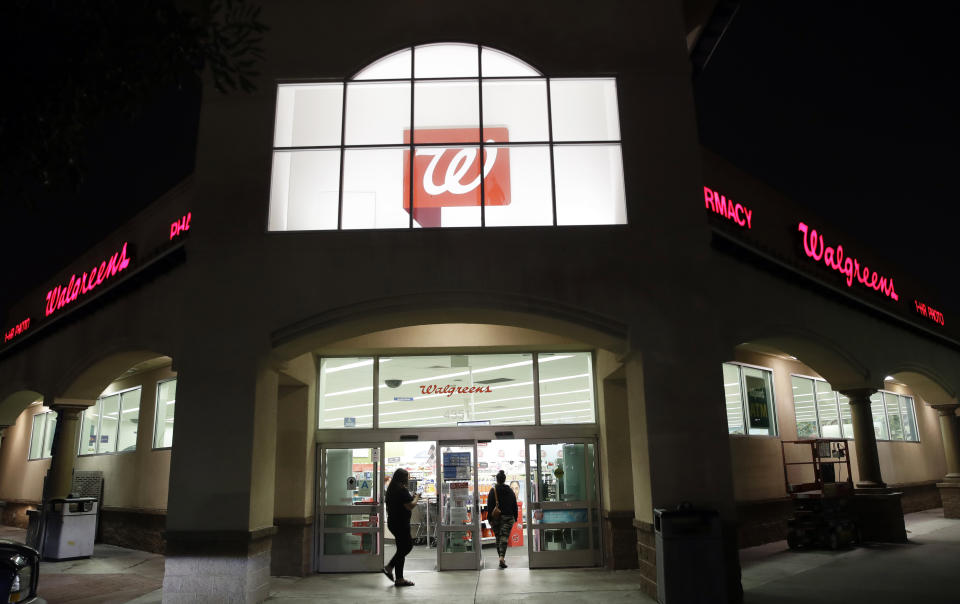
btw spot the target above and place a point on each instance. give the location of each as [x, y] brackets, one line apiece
[244, 313]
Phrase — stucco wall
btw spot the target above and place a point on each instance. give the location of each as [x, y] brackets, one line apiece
[133, 480]
[757, 460]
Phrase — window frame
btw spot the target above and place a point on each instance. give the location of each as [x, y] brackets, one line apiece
[836, 397]
[156, 405]
[775, 420]
[100, 422]
[43, 436]
[375, 425]
[410, 146]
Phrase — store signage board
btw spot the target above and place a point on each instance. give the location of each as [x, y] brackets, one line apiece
[790, 236]
[450, 176]
[88, 279]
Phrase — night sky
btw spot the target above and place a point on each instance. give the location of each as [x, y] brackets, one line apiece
[849, 110]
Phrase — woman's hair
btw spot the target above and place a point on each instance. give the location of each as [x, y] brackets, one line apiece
[501, 477]
[399, 481]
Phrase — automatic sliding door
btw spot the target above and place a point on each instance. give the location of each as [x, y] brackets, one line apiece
[458, 534]
[351, 506]
[564, 527]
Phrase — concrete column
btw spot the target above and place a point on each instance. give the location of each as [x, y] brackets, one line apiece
[64, 450]
[950, 486]
[222, 472]
[3, 432]
[865, 439]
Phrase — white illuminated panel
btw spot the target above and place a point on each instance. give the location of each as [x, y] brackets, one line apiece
[551, 147]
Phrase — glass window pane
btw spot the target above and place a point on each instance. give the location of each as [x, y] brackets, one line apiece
[584, 109]
[165, 412]
[308, 115]
[879, 416]
[733, 399]
[520, 106]
[446, 61]
[520, 194]
[109, 421]
[377, 113]
[88, 429]
[346, 393]
[48, 435]
[129, 419]
[758, 389]
[396, 65]
[805, 408]
[452, 105]
[909, 418]
[304, 190]
[589, 183]
[374, 182]
[846, 417]
[36, 436]
[829, 413]
[446, 390]
[498, 64]
[566, 388]
[894, 424]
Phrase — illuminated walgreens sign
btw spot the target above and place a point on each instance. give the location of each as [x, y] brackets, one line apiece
[815, 249]
[63, 295]
[719, 204]
[16, 330]
[450, 389]
[180, 226]
[450, 176]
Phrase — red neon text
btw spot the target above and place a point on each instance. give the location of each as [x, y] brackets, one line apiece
[736, 212]
[16, 330]
[929, 312]
[62, 295]
[814, 248]
[450, 389]
[179, 226]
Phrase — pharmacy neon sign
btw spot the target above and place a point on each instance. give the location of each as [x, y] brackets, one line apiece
[815, 249]
[925, 310]
[733, 211]
[63, 295]
[16, 330]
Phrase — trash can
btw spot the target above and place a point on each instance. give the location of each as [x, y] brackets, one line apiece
[71, 526]
[690, 566]
[19, 572]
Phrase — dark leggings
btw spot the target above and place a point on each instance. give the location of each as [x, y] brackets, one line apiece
[404, 545]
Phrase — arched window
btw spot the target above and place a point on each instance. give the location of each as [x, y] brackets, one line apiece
[550, 146]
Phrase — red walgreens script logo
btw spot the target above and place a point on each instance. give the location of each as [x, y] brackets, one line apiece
[445, 177]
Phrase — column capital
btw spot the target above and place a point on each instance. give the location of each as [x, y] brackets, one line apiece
[945, 408]
[858, 395]
[67, 405]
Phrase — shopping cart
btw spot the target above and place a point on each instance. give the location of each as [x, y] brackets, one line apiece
[425, 516]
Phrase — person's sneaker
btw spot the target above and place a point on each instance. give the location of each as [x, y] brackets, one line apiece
[404, 583]
[503, 564]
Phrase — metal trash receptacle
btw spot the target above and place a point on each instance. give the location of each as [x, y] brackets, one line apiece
[690, 566]
[71, 526]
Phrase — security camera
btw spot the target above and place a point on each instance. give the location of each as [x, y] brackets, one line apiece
[393, 383]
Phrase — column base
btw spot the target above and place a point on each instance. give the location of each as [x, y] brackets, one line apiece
[217, 566]
[880, 515]
[291, 547]
[619, 540]
[950, 496]
[646, 557]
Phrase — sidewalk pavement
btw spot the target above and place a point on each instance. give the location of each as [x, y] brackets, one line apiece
[923, 570]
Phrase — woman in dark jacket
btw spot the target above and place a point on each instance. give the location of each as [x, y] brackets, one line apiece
[399, 505]
[503, 497]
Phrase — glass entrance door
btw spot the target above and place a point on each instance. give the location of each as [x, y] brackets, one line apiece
[564, 521]
[458, 534]
[350, 533]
